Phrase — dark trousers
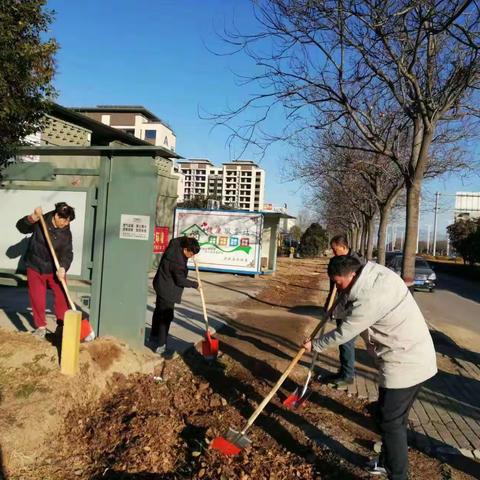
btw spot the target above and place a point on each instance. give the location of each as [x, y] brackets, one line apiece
[393, 407]
[347, 356]
[161, 320]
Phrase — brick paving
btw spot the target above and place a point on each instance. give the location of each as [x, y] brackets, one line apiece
[445, 418]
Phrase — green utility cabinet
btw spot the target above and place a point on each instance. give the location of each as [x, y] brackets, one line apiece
[119, 225]
[123, 246]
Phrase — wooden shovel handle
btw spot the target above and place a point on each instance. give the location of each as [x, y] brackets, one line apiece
[259, 409]
[200, 287]
[55, 261]
[328, 313]
[299, 355]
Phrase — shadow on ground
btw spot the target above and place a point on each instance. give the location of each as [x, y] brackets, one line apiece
[461, 287]
[447, 346]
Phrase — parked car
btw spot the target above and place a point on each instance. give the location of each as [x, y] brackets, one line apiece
[389, 256]
[425, 277]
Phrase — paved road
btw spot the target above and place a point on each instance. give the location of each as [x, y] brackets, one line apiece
[455, 309]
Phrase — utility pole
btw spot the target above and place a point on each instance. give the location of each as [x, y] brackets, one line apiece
[437, 196]
[428, 239]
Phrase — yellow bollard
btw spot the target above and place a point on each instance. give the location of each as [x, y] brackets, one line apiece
[71, 342]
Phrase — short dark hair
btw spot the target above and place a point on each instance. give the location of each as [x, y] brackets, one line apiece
[343, 265]
[63, 210]
[191, 244]
[339, 240]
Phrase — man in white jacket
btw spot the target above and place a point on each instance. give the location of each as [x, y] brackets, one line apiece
[382, 310]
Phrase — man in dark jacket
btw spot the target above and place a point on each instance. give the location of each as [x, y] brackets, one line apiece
[346, 374]
[169, 282]
[40, 265]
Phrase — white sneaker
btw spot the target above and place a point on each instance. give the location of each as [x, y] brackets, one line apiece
[40, 333]
[374, 468]
[377, 469]
[89, 338]
[166, 353]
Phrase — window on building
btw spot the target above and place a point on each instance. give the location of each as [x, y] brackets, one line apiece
[131, 131]
[165, 141]
[150, 134]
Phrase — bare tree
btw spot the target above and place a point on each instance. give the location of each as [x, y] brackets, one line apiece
[329, 61]
[348, 197]
[332, 154]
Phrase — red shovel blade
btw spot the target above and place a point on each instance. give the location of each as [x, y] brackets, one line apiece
[210, 346]
[292, 401]
[224, 446]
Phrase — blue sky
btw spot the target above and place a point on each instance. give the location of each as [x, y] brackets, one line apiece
[154, 53]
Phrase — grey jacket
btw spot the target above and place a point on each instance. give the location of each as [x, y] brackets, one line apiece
[381, 309]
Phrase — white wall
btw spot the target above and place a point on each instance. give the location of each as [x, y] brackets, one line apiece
[15, 204]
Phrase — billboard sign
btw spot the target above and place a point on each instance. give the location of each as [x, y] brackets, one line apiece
[229, 240]
[467, 204]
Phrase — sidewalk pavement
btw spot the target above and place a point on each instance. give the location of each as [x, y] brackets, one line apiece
[222, 292]
[445, 418]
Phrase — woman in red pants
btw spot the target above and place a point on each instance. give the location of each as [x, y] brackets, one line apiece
[40, 266]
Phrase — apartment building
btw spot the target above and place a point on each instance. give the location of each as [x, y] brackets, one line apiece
[239, 184]
[243, 185]
[176, 172]
[135, 120]
[196, 173]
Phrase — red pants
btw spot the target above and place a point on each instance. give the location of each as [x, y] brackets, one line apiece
[37, 291]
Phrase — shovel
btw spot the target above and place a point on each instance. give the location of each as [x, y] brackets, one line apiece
[209, 345]
[295, 400]
[235, 441]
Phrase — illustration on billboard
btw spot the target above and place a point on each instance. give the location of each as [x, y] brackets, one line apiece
[228, 240]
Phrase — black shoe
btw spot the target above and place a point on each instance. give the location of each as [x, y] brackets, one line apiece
[329, 377]
[343, 383]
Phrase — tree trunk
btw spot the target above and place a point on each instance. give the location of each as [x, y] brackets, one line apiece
[358, 239]
[363, 231]
[353, 238]
[385, 211]
[411, 233]
[371, 234]
[422, 142]
[365, 238]
[382, 234]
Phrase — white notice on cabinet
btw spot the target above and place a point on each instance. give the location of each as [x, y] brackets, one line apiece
[134, 227]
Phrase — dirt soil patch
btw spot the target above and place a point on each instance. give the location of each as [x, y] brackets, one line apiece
[295, 283]
[116, 424]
